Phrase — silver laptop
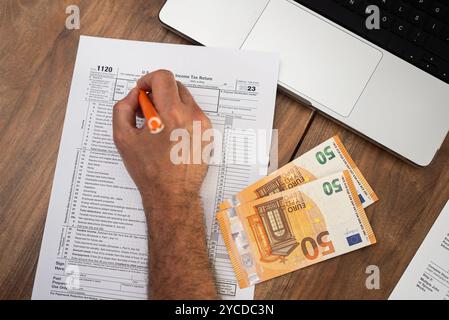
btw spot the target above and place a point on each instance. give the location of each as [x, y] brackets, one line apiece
[383, 73]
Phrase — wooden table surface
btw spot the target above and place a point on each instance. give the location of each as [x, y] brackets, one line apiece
[37, 55]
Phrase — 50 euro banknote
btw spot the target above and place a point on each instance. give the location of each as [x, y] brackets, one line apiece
[329, 157]
[293, 229]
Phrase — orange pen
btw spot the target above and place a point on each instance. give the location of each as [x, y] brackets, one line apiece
[153, 121]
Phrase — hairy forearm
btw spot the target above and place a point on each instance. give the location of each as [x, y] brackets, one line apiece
[178, 259]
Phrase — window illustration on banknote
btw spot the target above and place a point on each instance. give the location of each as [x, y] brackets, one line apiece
[291, 178]
[277, 229]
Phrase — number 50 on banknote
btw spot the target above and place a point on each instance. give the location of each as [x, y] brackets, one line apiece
[327, 158]
[293, 229]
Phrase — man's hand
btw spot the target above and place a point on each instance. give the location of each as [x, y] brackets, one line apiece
[147, 156]
[178, 260]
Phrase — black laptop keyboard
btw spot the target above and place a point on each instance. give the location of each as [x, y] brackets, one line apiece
[414, 30]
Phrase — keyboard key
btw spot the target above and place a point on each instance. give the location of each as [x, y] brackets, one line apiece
[438, 10]
[438, 47]
[428, 67]
[383, 3]
[386, 20]
[357, 6]
[421, 4]
[445, 35]
[418, 37]
[350, 3]
[443, 71]
[412, 54]
[400, 9]
[401, 28]
[431, 58]
[434, 27]
[417, 18]
[441, 67]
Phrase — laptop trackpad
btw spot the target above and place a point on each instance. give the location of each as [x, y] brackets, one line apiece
[318, 60]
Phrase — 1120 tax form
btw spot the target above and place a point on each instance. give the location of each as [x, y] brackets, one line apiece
[427, 275]
[95, 239]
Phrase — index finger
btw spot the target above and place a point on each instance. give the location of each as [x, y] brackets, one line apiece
[163, 87]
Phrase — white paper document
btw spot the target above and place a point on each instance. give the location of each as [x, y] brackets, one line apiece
[427, 276]
[95, 239]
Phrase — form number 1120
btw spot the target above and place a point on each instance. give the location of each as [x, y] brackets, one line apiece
[104, 68]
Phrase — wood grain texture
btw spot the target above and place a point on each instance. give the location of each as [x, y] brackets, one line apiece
[37, 55]
[410, 200]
